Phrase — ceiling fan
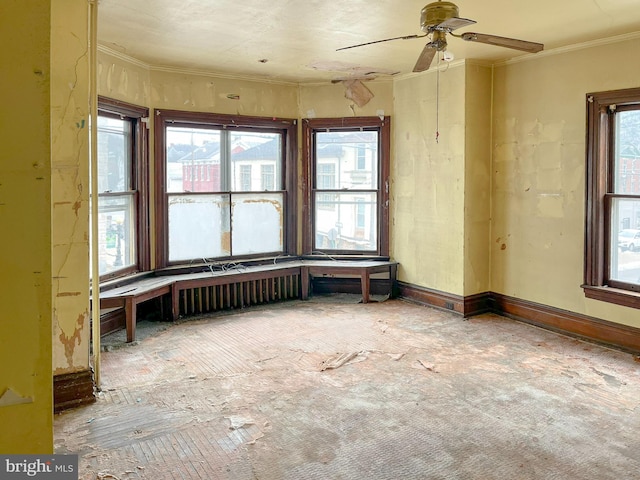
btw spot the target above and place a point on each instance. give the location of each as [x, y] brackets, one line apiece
[438, 19]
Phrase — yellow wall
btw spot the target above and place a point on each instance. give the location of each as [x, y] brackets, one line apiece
[122, 78]
[70, 184]
[477, 183]
[200, 93]
[427, 188]
[539, 173]
[25, 217]
[329, 101]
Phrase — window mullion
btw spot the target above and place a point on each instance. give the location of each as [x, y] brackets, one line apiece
[225, 162]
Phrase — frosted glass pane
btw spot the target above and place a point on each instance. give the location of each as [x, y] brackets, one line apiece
[346, 221]
[257, 223]
[198, 226]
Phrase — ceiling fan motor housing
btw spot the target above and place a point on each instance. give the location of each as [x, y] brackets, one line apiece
[435, 13]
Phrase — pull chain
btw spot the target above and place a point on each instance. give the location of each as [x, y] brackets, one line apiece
[438, 98]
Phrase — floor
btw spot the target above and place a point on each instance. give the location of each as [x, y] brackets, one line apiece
[333, 389]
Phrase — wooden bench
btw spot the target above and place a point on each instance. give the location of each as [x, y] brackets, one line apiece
[362, 268]
[130, 295]
[158, 284]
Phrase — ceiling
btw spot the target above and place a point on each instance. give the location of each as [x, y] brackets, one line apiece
[296, 40]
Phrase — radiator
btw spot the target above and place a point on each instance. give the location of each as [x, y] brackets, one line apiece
[239, 294]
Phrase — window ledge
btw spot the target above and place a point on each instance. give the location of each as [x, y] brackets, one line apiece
[618, 296]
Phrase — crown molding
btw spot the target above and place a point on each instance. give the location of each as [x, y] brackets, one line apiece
[571, 48]
[187, 71]
[124, 57]
[222, 76]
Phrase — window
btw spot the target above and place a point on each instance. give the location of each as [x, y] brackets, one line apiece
[267, 176]
[122, 195]
[245, 178]
[325, 175]
[612, 266]
[347, 161]
[224, 212]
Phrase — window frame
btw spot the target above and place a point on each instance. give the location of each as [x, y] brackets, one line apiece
[600, 174]
[178, 118]
[309, 127]
[139, 171]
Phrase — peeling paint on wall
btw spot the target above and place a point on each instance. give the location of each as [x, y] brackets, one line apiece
[9, 397]
[71, 341]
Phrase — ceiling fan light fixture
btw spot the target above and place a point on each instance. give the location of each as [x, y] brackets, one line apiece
[439, 19]
[439, 41]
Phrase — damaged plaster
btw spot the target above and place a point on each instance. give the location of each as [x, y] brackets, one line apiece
[72, 340]
[69, 186]
[357, 91]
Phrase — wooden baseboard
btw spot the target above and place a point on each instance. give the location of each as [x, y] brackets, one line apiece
[616, 335]
[477, 304]
[71, 390]
[433, 298]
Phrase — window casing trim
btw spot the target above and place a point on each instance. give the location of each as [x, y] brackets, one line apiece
[139, 179]
[600, 144]
[383, 125]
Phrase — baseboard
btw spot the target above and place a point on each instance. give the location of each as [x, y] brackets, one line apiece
[607, 333]
[616, 335]
[477, 304]
[433, 298]
[71, 390]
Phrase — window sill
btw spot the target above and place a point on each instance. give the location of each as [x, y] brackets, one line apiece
[618, 296]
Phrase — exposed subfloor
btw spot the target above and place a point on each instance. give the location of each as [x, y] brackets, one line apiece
[424, 395]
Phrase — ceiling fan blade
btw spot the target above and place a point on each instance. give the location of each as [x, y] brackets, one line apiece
[454, 23]
[516, 44]
[425, 58]
[405, 37]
